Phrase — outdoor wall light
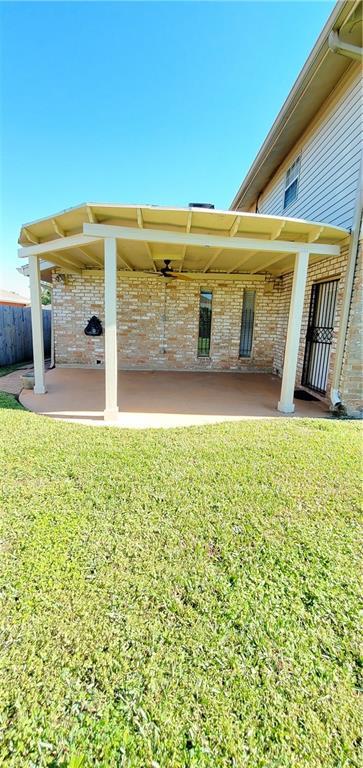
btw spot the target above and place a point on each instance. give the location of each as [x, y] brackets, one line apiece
[93, 327]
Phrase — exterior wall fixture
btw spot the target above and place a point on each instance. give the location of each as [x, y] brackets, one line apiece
[94, 327]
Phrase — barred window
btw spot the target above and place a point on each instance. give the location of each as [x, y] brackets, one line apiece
[248, 319]
[292, 182]
[205, 323]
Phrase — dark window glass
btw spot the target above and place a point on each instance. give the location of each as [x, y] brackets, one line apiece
[290, 194]
[248, 318]
[205, 323]
[292, 182]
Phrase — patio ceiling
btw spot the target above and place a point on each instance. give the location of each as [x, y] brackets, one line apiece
[199, 242]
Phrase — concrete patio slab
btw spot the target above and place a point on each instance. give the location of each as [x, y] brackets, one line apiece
[164, 399]
[11, 383]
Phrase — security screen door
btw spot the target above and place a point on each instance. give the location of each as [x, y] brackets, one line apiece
[319, 335]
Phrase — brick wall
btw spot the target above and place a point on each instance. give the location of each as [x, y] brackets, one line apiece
[351, 378]
[158, 323]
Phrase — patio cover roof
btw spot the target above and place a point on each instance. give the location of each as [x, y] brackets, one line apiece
[200, 242]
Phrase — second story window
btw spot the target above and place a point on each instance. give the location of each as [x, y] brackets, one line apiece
[292, 182]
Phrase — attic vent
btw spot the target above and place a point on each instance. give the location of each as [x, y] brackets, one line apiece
[201, 205]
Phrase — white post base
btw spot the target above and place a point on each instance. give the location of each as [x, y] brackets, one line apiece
[39, 390]
[111, 415]
[285, 407]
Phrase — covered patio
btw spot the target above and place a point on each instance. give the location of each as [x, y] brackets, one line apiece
[191, 245]
[164, 399]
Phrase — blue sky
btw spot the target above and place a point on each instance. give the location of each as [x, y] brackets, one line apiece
[162, 103]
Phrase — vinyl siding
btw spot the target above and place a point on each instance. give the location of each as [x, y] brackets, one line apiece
[330, 160]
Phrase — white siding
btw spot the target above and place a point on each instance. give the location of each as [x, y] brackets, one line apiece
[330, 154]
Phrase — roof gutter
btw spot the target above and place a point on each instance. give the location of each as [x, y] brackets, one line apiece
[344, 49]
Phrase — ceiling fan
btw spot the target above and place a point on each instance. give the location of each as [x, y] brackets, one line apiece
[167, 272]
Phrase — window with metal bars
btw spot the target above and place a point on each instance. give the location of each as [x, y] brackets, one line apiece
[248, 319]
[292, 182]
[205, 323]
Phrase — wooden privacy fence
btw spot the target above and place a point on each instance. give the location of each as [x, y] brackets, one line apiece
[16, 345]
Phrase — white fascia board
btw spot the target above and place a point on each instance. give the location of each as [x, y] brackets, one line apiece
[60, 244]
[207, 241]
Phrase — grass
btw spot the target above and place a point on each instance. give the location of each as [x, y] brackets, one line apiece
[5, 369]
[180, 598]
[9, 401]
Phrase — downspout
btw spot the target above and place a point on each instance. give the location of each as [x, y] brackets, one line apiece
[344, 49]
[52, 358]
[347, 297]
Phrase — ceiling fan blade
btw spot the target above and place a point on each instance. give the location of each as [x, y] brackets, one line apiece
[153, 274]
[179, 276]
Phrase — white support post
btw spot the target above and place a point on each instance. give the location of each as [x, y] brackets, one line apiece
[37, 325]
[286, 403]
[111, 409]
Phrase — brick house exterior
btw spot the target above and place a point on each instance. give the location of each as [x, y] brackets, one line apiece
[303, 189]
[351, 375]
[320, 127]
[158, 322]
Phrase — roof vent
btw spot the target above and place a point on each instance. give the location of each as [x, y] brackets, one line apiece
[201, 205]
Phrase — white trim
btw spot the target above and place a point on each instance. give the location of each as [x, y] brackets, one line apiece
[60, 244]
[197, 276]
[207, 241]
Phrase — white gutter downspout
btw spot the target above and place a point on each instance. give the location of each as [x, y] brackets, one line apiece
[347, 297]
[344, 49]
[52, 356]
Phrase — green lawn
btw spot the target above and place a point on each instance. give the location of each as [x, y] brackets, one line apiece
[179, 598]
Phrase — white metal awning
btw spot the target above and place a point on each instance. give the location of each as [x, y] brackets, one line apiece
[199, 243]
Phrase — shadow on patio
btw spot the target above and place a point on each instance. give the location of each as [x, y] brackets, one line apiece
[164, 399]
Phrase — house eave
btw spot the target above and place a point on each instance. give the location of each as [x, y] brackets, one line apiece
[192, 240]
[319, 76]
